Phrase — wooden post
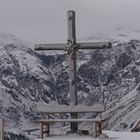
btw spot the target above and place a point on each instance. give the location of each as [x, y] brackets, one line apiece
[72, 66]
[41, 130]
[48, 126]
[98, 128]
[44, 129]
[1, 129]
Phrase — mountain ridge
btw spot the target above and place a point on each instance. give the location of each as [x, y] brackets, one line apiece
[29, 78]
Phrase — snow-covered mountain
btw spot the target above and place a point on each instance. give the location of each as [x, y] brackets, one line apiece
[29, 78]
[24, 81]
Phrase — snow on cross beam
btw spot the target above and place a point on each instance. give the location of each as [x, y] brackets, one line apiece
[61, 46]
[71, 48]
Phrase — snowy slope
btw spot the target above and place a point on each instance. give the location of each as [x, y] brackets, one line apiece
[110, 134]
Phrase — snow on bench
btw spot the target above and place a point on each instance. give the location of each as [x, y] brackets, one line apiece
[99, 108]
[69, 120]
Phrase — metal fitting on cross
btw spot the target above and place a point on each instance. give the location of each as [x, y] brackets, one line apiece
[71, 46]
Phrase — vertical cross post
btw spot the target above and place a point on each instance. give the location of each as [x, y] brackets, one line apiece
[72, 65]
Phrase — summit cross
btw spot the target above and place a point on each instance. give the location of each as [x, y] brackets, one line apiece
[71, 47]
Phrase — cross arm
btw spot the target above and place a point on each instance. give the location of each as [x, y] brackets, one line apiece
[61, 46]
[94, 45]
[42, 47]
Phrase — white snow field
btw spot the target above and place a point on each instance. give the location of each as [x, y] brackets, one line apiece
[111, 135]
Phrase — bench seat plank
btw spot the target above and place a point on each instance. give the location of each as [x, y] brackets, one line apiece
[71, 108]
[69, 120]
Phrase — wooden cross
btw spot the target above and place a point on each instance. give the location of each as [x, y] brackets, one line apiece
[71, 47]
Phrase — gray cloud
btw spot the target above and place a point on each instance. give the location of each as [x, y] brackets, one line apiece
[45, 20]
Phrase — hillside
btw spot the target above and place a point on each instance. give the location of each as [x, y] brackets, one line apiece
[29, 78]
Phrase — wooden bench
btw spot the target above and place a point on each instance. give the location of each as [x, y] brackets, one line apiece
[57, 109]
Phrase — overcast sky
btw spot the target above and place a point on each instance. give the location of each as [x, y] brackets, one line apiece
[45, 21]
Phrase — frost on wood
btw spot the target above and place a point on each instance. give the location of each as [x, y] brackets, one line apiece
[71, 108]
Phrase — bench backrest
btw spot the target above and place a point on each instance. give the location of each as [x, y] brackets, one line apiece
[71, 108]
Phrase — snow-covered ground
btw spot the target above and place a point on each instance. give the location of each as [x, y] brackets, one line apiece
[111, 135]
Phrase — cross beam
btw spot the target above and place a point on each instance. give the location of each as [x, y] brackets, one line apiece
[61, 46]
[71, 48]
